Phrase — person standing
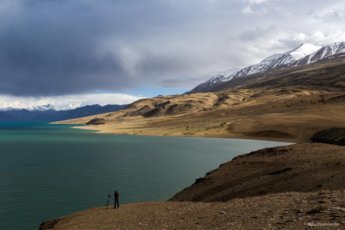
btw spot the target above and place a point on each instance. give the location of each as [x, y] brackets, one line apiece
[116, 199]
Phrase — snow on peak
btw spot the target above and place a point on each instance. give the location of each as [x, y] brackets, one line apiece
[42, 107]
[303, 50]
[322, 53]
[224, 76]
[271, 59]
[335, 48]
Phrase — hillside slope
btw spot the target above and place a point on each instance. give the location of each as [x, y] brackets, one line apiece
[295, 168]
[291, 114]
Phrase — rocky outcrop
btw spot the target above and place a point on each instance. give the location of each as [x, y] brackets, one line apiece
[96, 121]
[48, 224]
[334, 136]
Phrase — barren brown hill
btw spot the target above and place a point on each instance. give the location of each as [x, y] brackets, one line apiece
[286, 104]
[283, 113]
[296, 168]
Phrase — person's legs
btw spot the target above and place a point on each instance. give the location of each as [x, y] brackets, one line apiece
[117, 203]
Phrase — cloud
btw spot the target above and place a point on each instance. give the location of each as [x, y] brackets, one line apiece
[257, 1]
[255, 6]
[331, 12]
[67, 47]
[66, 101]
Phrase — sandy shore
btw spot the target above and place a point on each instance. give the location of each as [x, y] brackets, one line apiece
[108, 130]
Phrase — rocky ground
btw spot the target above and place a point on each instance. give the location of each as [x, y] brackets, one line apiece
[313, 210]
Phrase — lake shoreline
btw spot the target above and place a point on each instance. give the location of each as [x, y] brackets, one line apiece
[59, 170]
[52, 223]
[295, 202]
[229, 136]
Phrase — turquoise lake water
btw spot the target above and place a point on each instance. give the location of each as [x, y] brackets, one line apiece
[48, 171]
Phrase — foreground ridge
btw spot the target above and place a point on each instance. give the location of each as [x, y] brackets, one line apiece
[292, 210]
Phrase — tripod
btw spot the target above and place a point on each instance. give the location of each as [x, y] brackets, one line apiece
[109, 199]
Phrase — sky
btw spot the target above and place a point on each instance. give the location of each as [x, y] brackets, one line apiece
[76, 52]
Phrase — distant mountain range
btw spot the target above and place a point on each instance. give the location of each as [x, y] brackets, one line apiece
[48, 114]
[304, 54]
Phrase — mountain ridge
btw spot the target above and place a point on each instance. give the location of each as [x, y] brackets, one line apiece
[49, 114]
[304, 54]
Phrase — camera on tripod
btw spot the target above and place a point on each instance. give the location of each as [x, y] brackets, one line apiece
[109, 199]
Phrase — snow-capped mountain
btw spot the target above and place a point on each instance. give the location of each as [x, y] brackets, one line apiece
[37, 108]
[43, 107]
[222, 77]
[48, 113]
[302, 55]
[278, 60]
[322, 53]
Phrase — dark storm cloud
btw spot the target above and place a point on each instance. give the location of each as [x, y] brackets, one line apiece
[53, 47]
[46, 61]
[57, 47]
